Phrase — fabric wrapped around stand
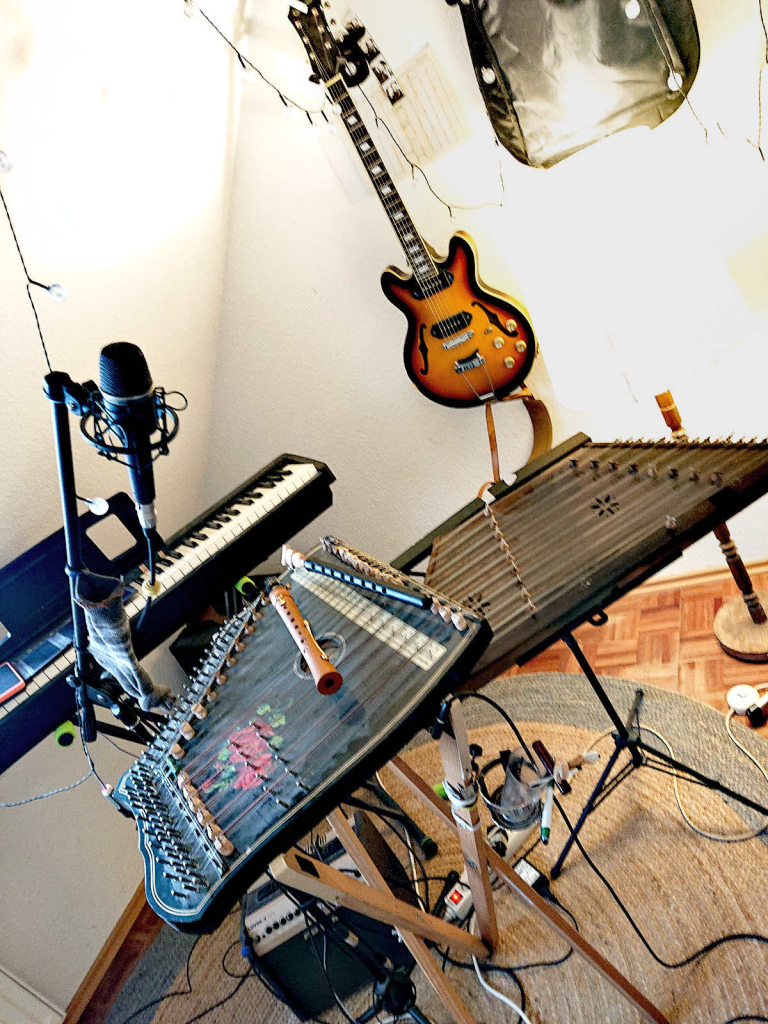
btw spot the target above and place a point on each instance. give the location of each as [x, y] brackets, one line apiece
[109, 639]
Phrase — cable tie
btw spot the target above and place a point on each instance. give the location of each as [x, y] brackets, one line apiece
[465, 824]
[456, 799]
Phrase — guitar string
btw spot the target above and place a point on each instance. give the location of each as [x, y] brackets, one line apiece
[343, 95]
[430, 284]
[323, 69]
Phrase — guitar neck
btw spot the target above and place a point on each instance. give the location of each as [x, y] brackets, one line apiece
[413, 244]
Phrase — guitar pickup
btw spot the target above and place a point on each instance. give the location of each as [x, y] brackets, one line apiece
[450, 325]
[458, 340]
[469, 363]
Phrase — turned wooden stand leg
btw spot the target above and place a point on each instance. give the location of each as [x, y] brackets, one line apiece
[741, 625]
[740, 574]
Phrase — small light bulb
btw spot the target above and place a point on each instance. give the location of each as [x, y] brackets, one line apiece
[190, 8]
[336, 108]
[99, 506]
[488, 75]
[248, 73]
[675, 81]
[5, 162]
[57, 292]
[291, 111]
[632, 9]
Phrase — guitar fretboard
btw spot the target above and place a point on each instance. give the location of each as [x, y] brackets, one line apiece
[413, 244]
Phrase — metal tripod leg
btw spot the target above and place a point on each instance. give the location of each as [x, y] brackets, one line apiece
[625, 738]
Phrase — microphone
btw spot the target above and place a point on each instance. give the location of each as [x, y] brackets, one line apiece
[128, 399]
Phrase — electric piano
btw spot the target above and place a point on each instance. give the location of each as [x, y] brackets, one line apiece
[206, 556]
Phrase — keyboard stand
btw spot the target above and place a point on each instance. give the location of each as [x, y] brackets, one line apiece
[375, 900]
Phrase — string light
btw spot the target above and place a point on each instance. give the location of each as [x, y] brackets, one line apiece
[293, 109]
[57, 292]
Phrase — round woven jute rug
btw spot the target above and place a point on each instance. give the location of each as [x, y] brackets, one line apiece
[682, 890]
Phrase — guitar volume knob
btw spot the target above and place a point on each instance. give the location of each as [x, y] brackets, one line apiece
[511, 326]
[509, 362]
[498, 342]
[520, 346]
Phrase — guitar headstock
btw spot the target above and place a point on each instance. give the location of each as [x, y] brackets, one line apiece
[327, 55]
[322, 49]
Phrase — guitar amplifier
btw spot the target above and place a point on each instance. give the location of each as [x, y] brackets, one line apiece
[285, 953]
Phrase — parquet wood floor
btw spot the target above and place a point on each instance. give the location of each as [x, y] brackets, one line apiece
[662, 634]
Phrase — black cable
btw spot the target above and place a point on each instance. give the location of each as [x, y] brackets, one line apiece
[502, 968]
[130, 753]
[487, 700]
[760, 84]
[324, 969]
[245, 63]
[450, 207]
[745, 1016]
[169, 995]
[29, 281]
[224, 967]
[733, 937]
[221, 1002]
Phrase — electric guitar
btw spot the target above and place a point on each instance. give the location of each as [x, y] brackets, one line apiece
[466, 344]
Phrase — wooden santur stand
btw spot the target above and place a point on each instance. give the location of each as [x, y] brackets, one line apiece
[741, 625]
[375, 900]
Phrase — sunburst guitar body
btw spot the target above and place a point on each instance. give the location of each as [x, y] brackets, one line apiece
[466, 344]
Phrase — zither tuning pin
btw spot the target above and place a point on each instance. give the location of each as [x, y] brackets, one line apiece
[459, 621]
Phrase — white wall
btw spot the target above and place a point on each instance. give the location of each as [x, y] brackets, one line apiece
[118, 119]
[309, 355]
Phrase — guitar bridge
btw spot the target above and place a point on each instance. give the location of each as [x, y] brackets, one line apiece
[469, 363]
[458, 340]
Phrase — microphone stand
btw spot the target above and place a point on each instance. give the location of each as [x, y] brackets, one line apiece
[65, 397]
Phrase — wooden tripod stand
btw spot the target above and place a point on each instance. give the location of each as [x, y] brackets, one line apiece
[375, 900]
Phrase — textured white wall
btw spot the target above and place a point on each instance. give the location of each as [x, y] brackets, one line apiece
[118, 119]
[309, 355]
